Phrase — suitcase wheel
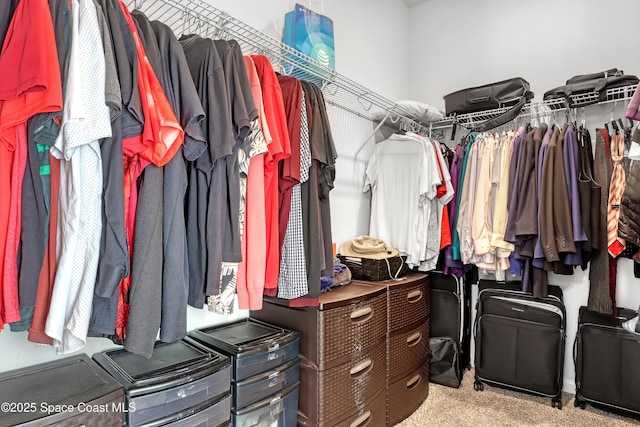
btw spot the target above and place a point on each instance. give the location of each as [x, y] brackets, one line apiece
[581, 404]
[478, 386]
[556, 403]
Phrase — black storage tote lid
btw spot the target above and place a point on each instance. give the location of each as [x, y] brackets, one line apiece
[67, 382]
[170, 365]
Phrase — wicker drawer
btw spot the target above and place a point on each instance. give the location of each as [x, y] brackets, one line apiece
[350, 320]
[408, 351]
[348, 330]
[407, 394]
[408, 303]
[326, 396]
[373, 414]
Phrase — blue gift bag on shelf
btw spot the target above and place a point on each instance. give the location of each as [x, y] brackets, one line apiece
[310, 33]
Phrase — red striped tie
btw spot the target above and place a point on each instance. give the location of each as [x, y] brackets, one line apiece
[618, 182]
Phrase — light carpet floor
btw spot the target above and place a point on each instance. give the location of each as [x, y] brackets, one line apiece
[461, 407]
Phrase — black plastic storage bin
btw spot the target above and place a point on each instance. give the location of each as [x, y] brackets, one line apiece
[207, 414]
[176, 379]
[279, 410]
[261, 386]
[253, 346]
[69, 391]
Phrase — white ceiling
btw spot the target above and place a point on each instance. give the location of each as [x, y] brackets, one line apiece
[412, 3]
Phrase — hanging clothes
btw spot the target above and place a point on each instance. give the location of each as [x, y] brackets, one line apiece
[589, 197]
[161, 139]
[571, 167]
[618, 181]
[444, 194]
[30, 85]
[250, 281]
[279, 149]
[312, 224]
[292, 280]
[183, 97]
[86, 119]
[244, 116]
[113, 265]
[452, 266]
[207, 73]
[42, 130]
[500, 216]
[402, 175]
[323, 151]
[599, 273]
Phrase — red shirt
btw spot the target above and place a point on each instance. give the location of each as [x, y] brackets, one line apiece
[445, 234]
[30, 85]
[280, 148]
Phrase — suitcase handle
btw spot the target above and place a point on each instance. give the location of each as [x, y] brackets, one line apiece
[361, 368]
[480, 99]
[362, 420]
[361, 315]
[414, 296]
[414, 381]
[414, 339]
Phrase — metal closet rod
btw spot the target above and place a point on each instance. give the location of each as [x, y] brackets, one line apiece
[196, 16]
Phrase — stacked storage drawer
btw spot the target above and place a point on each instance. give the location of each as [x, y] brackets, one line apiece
[182, 384]
[265, 370]
[408, 345]
[343, 353]
[72, 391]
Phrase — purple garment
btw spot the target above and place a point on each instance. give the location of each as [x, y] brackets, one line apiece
[571, 168]
[325, 283]
[538, 253]
[633, 110]
[512, 201]
[452, 266]
[515, 263]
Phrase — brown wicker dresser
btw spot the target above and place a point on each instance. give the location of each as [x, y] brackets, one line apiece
[363, 350]
[343, 352]
[407, 344]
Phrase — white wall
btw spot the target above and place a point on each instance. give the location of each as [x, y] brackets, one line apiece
[465, 43]
[371, 48]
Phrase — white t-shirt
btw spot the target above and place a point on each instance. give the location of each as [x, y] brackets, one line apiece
[402, 176]
[86, 120]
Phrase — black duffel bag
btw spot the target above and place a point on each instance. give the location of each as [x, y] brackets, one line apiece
[588, 89]
[513, 93]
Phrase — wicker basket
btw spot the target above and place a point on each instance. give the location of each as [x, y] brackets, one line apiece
[375, 269]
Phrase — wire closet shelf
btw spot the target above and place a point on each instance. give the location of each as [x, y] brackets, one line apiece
[541, 109]
[198, 17]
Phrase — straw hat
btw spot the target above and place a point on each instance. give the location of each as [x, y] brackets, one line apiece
[367, 247]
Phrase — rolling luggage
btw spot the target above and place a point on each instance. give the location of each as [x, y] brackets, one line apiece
[520, 340]
[510, 95]
[606, 360]
[450, 329]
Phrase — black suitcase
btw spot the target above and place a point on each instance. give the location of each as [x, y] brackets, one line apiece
[520, 340]
[511, 94]
[450, 329]
[606, 359]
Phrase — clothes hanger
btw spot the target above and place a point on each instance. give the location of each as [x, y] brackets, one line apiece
[612, 121]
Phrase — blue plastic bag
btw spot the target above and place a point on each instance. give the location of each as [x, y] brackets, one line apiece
[310, 33]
